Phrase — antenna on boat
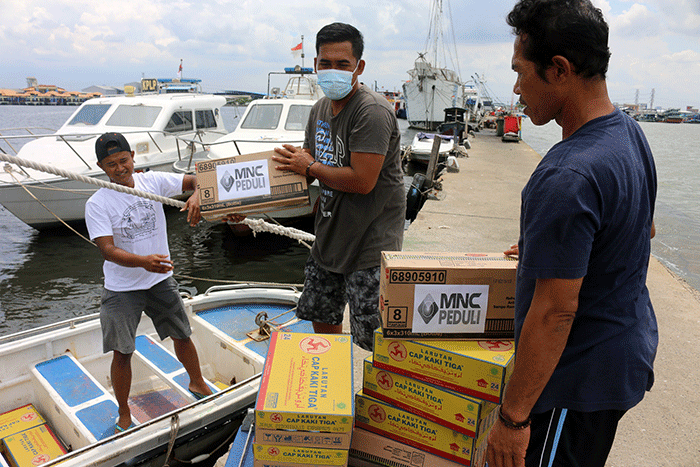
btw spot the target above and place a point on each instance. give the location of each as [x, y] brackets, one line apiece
[302, 54]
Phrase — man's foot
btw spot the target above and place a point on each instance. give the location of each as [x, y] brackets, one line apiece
[200, 392]
[120, 429]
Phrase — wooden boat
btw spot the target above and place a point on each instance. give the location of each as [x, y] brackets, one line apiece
[432, 86]
[61, 370]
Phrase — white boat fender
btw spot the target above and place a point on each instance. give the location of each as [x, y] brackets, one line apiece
[452, 164]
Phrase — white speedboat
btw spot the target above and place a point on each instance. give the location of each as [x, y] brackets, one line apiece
[161, 129]
[422, 146]
[60, 369]
[268, 123]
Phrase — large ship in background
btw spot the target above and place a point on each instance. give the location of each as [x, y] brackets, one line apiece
[433, 86]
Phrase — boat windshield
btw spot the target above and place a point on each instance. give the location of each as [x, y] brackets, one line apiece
[139, 116]
[262, 117]
[90, 114]
[297, 118]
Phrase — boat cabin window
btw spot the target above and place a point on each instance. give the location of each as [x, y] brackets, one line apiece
[90, 114]
[298, 117]
[138, 116]
[205, 119]
[263, 117]
[180, 121]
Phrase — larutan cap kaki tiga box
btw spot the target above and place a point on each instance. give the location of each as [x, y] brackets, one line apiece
[438, 295]
[294, 456]
[315, 439]
[307, 384]
[456, 411]
[479, 454]
[479, 368]
[387, 420]
[376, 449]
[19, 419]
[32, 447]
[247, 184]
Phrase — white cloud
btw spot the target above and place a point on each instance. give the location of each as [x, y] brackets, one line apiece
[233, 44]
[638, 21]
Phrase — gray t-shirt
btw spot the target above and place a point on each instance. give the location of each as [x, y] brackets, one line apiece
[351, 228]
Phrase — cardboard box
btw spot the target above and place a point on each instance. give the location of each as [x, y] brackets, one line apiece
[384, 419]
[447, 295]
[307, 384]
[479, 369]
[247, 184]
[19, 419]
[283, 456]
[315, 439]
[380, 450]
[453, 410]
[479, 456]
[32, 447]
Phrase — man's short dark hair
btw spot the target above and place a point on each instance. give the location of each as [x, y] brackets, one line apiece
[341, 32]
[574, 29]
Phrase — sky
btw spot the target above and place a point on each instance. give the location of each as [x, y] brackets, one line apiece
[75, 44]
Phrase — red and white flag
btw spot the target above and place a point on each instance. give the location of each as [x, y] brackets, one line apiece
[179, 71]
[297, 50]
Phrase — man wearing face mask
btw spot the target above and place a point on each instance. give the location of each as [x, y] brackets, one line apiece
[352, 146]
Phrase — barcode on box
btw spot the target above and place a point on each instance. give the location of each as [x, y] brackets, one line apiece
[286, 189]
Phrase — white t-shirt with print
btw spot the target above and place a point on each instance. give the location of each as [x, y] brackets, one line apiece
[137, 225]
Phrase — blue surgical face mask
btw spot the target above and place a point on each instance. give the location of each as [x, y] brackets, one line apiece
[336, 84]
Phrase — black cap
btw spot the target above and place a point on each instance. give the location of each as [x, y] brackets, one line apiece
[103, 141]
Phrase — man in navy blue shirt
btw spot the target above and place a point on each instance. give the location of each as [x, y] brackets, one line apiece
[586, 333]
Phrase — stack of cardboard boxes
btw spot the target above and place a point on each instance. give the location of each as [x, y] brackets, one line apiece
[304, 411]
[440, 362]
[27, 440]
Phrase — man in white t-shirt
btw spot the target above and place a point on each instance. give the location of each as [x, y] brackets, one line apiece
[132, 236]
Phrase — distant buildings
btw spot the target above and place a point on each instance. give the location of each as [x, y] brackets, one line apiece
[44, 94]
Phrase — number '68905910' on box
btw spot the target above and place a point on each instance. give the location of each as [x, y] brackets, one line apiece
[439, 295]
[247, 184]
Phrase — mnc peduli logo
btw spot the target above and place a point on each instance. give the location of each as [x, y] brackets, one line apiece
[450, 308]
[243, 179]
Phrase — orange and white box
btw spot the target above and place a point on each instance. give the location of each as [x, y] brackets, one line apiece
[19, 419]
[380, 450]
[384, 419]
[267, 455]
[32, 447]
[479, 368]
[456, 411]
[307, 384]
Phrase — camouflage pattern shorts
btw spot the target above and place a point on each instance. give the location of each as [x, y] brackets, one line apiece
[326, 293]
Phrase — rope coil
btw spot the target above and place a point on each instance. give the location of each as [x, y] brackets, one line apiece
[256, 225]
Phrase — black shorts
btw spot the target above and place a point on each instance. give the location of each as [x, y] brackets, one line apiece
[567, 438]
[326, 293]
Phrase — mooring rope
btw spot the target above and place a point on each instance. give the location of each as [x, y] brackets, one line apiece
[256, 225]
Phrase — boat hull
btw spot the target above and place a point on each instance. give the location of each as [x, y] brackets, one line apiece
[34, 202]
[426, 101]
[155, 142]
[219, 320]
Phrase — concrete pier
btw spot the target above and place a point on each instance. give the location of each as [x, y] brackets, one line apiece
[479, 211]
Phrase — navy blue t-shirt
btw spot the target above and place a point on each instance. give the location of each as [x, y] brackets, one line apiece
[587, 211]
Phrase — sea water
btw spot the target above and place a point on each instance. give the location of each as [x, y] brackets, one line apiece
[51, 276]
[677, 215]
